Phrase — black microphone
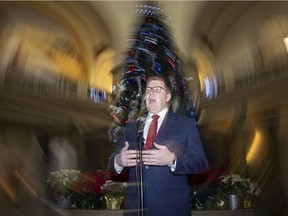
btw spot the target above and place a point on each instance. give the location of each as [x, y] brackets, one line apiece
[142, 140]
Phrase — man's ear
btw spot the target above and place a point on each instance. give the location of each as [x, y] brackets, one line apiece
[168, 97]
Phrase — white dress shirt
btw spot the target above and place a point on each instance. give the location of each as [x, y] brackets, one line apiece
[149, 120]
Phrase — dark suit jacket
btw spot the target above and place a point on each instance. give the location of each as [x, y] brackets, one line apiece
[166, 193]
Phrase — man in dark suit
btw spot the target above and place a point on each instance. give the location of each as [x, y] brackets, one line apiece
[176, 152]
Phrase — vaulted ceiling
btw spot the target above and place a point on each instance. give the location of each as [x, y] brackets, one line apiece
[84, 41]
[99, 28]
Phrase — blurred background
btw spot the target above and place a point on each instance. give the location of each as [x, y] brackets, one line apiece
[59, 63]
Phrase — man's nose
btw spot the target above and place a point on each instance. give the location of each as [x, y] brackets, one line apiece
[151, 92]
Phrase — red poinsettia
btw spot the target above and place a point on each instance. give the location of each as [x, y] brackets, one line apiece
[90, 182]
[209, 177]
[208, 184]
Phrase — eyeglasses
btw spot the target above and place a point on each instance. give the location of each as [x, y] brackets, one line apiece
[155, 89]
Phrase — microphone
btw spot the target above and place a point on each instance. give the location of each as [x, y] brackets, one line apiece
[142, 141]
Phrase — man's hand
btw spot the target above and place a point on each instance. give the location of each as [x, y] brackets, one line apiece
[161, 156]
[126, 158]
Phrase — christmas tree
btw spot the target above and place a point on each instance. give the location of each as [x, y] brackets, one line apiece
[152, 51]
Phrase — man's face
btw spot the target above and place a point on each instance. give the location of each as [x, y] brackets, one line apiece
[156, 101]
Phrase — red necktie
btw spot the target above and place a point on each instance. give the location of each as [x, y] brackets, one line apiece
[152, 132]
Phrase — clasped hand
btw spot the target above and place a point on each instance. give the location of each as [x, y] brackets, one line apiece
[161, 156]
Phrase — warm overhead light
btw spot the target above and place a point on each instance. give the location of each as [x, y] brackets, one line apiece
[255, 147]
[285, 40]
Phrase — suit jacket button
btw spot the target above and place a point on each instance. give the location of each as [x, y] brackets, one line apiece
[146, 167]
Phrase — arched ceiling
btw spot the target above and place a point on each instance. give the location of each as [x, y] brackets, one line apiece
[119, 17]
[98, 30]
[97, 24]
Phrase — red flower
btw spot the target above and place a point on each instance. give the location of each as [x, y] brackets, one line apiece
[90, 182]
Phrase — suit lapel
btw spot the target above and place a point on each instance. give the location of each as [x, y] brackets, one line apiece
[168, 121]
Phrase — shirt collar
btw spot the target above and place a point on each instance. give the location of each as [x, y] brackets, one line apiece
[161, 113]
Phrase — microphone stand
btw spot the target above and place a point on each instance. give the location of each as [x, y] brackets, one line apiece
[140, 173]
[140, 122]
